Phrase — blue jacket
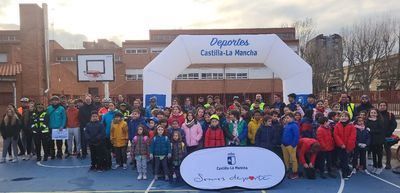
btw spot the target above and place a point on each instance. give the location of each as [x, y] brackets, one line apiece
[290, 134]
[266, 137]
[160, 146]
[133, 125]
[107, 121]
[95, 133]
[363, 136]
[57, 117]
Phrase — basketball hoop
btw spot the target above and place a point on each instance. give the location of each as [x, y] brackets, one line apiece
[93, 75]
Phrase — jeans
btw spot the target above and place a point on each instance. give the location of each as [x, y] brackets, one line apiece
[164, 164]
[141, 164]
[360, 154]
[344, 162]
[74, 133]
[13, 142]
[120, 155]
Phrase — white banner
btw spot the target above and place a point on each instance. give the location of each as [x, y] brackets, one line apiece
[226, 167]
[57, 134]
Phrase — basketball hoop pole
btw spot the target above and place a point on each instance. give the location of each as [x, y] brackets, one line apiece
[106, 90]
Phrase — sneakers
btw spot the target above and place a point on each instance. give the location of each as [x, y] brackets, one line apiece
[156, 177]
[116, 166]
[14, 160]
[68, 155]
[166, 177]
[378, 171]
[388, 166]
[24, 157]
[2, 160]
[294, 176]
[374, 170]
[354, 171]
[140, 176]
[124, 167]
[144, 176]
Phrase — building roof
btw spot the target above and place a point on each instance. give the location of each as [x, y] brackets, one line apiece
[10, 69]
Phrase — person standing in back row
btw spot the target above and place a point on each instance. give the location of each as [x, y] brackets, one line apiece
[84, 116]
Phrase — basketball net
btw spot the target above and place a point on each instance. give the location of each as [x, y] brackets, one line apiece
[93, 75]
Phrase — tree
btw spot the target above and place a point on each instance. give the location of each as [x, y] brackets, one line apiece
[366, 45]
[305, 30]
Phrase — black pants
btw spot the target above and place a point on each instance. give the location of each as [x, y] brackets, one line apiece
[120, 155]
[278, 151]
[42, 140]
[29, 141]
[360, 154]
[176, 170]
[192, 149]
[377, 155]
[108, 147]
[325, 161]
[98, 156]
[83, 141]
[164, 164]
[388, 152]
[344, 162]
[59, 144]
[21, 146]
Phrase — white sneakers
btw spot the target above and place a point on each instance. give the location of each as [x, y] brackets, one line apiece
[377, 171]
[354, 171]
[15, 160]
[124, 166]
[144, 176]
[140, 176]
[116, 166]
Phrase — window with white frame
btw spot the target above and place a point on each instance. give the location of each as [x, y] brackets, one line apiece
[188, 76]
[117, 58]
[156, 50]
[212, 76]
[134, 77]
[241, 76]
[230, 75]
[3, 58]
[136, 51]
[65, 58]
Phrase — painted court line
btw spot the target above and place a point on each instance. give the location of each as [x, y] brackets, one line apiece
[61, 167]
[150, 185]
[115, 191]
[383, 180]
[341, 187]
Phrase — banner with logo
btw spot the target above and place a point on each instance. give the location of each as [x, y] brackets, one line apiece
[57, 134]
[226, 167]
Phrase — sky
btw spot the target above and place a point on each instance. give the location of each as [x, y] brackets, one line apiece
[73, 21]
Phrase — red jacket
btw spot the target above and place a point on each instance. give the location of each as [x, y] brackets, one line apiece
[303, 148]
[72, 118]
[214, 138]
[345, 136]
[180, 118]
[325, 139]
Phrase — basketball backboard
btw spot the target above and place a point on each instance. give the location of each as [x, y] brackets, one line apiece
[95, 67]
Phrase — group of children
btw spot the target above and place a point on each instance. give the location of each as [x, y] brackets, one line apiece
[319, 139]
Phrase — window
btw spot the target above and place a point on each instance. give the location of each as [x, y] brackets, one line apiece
[65, 58]
[241, 75]
[230, 75]
[190, 76]
[206, 76]
[117, 58]
[136, 51]
[3, 58]
[212, 76]
[8, 38]
[156, 50]
[134, 77]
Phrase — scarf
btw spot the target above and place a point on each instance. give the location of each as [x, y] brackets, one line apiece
[359, 127]
[189, 124]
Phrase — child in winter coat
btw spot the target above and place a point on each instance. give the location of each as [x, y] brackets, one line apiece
[160, 150]
[119, 139]
[362, 142]
[95, 134]
[214, 134]
[266, 135]
[327, 143]
[178, 153]
[345, 138]
[236, 129]
[193, 132]
[374, 123]
[290, 139]
[175, 127]
[253, 125]
[140, 151]
[307, 151]
[152, 126]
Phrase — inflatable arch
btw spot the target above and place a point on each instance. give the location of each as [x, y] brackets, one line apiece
[185, 50]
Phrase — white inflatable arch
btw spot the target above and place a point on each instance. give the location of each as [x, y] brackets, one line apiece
[185, 50]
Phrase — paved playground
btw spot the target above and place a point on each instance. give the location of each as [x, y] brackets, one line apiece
[70, 175]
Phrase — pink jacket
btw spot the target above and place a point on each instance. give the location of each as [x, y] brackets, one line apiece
[193, 134]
